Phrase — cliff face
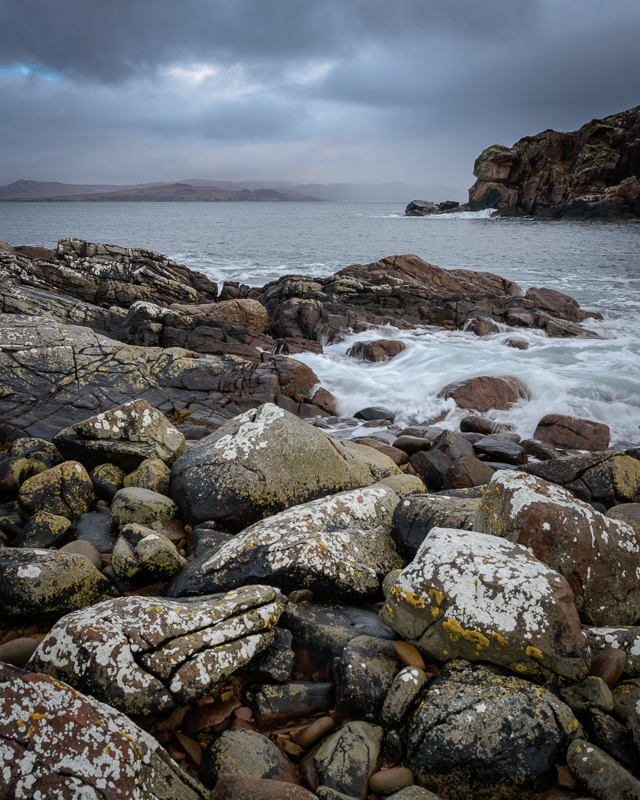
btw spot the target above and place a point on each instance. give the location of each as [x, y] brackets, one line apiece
[592, 172]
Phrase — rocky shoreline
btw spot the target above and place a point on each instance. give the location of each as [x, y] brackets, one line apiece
[205, 593]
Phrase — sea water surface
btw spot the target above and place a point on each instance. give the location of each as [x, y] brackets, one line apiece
[596, 262]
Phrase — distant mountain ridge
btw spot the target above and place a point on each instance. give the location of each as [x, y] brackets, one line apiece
[396, 192]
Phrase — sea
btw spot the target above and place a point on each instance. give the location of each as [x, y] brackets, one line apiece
[596, 262]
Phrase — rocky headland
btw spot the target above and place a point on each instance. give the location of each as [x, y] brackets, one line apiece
[591, 173]
[205, 593]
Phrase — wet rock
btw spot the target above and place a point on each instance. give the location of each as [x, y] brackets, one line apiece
[611, 736]
[275, 706]
[539, 450]
[248, 753]
[65, 490]
[371, 413]
[412, 444]
[517, 344]
[450, 464]
[18, 651]
[100, 530]
[377, 350]
[592, 692]
[476, 596]
[402, 695]
[608, 664]
[338, 547]
[43, 530]
[321, 631]
[616, 651]
[368, 667]
[232, 786]
[391, 780]
[498, 448]
[125, 436]
[598, 556]
[486, 392]
[572, 433]
[36, 582]
[483, 425]
[84, 549]
[37, 450]
[152, 474]
[263, 462]
[404, 485]
[609, 477]
[415, 516]
[398, 457]
[346, 760]
[144, 555]
[109, 755]
[148, 655]
[142, 506]
[477, 733]
[601, 774]
[107, 479]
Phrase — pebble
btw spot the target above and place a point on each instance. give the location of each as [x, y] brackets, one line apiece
[409, 655]
[608, 665]
[301, 596]
[84, 549]
[18, 651]
[388, 781]
[313, 732]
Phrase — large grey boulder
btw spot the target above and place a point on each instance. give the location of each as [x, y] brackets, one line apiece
[60, 745]
[478, 733]
[126, 435]
[265, 461]
[148, 655]
[599, 557]
[339, 546]
[36, 582]
[481, 598]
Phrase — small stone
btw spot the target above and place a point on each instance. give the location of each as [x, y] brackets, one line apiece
[310, 735]
[590, 693]
[391, 780]
[408, 654]
[142, 506]
[85, 549]
[18, 651]
[371, 413]
[152, 474]
[301, 596]
[608, 665]
[601, 774]
[107, 479]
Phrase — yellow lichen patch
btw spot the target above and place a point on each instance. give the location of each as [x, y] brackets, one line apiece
[455, 631]
[436, 611]
[500, 639]
[436, 595]
[408, 596]
[533, 652]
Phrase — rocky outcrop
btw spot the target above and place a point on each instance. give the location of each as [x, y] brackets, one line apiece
[593, 172]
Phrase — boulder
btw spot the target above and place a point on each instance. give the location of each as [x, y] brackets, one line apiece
[152, 474]
[599, 557]
[570, 433]
[450, 464]
[483, 425]
[36, 582]
[107, 479]
[275, 706]
[346, 760]
[248, 753]
[415, 516]
[36, 450]
[73, 746]
[609, 477]
[339, 546]
[84, 549]
[15, 471]
[371, 413]
[625, 640]
[479, 733]
[404, 485]
[149, 655]
[265, 461]
[600, 774]
[141, 506]
[43, 530]
[368, 667]
[125, 436]
[377, 350]
[321, 631]
[484, 599]
[498, 448]
[629, 513]
[486, 392]
[144, 555]
[65, 490]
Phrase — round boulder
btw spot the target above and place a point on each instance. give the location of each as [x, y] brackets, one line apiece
[486, 392]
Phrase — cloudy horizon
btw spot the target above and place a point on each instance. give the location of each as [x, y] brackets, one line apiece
[132, 91]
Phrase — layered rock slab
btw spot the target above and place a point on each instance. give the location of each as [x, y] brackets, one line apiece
[148, 655]
[60, 745]
[479, 733]
[599, 557]
[339, 546]
[474, 596]
[263, 462]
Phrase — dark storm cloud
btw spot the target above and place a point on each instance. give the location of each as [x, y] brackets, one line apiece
[309, 90]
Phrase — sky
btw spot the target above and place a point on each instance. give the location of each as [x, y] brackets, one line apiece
[128, 91]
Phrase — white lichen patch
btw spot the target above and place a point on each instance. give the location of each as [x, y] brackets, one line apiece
[253, 425]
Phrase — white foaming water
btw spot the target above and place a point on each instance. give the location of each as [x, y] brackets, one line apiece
[598, 263]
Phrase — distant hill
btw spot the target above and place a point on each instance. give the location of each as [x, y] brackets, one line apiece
[23, 190]
[177, 193]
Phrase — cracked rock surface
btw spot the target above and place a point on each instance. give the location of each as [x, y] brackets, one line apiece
[148, 655]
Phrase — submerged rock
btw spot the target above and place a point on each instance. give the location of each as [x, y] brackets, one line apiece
[486, 392]
[148, 655]
[339, 546]
[476, 596]
[572, 433]
[59, 743]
